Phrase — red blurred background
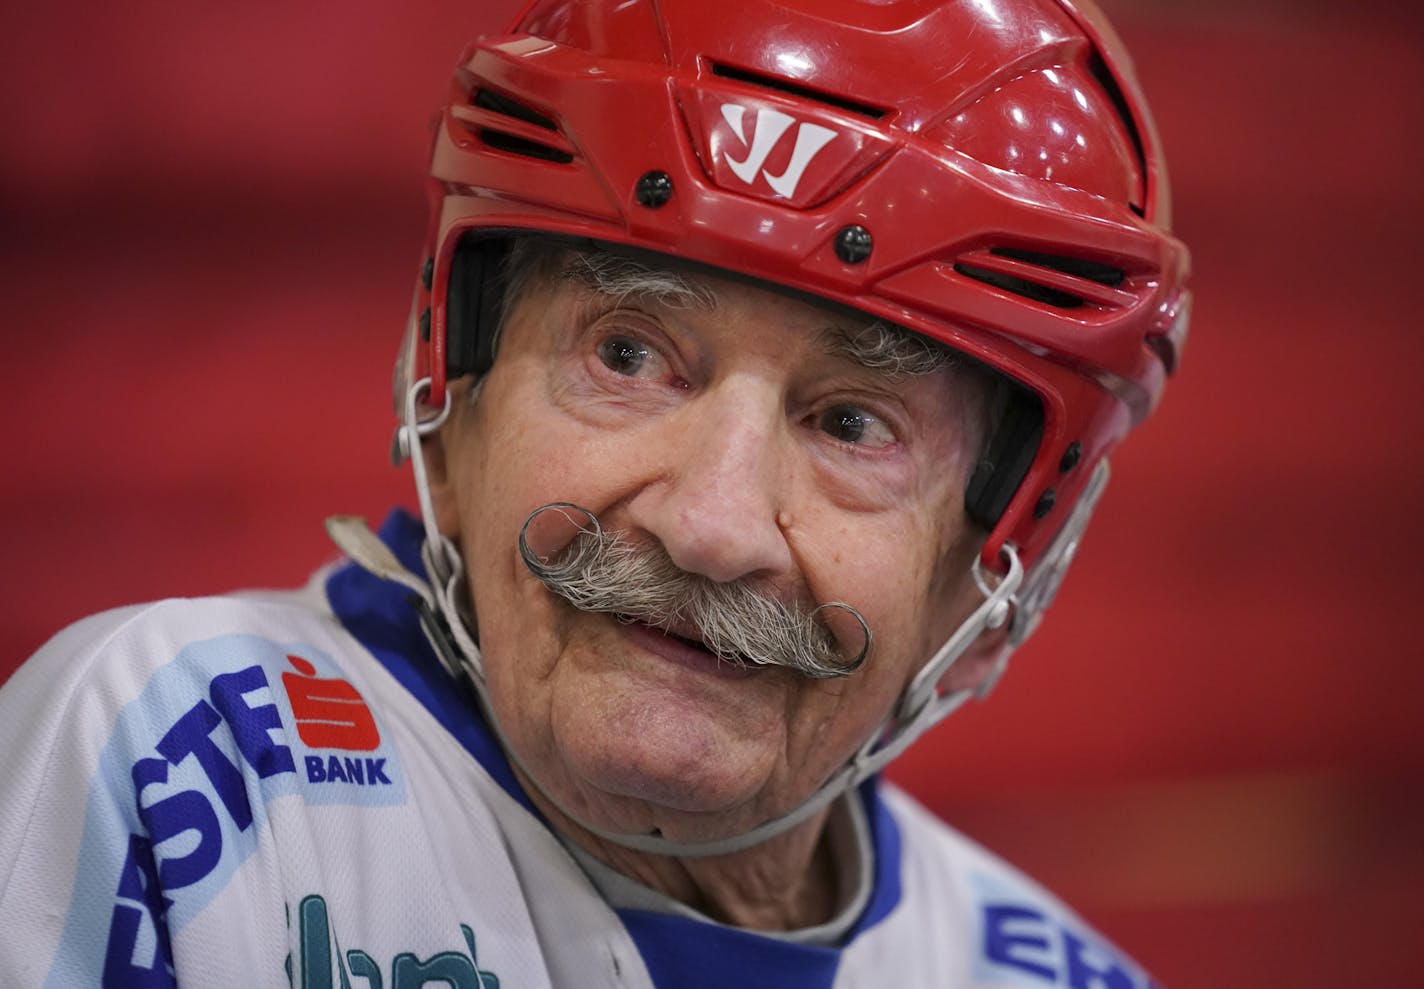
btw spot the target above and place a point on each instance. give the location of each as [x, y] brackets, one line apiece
[210, 218]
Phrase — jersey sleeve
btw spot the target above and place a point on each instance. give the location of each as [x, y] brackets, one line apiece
[139, 748]
[57, 716]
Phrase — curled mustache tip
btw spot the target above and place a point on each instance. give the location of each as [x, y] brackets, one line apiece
[864, 653]
[541, 563]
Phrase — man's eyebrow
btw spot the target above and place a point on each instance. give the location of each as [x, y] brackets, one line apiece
[621, 278]
[877, 345]
[887, 348]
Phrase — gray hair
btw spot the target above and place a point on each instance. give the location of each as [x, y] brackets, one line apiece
[535, 261]
[602, 572]
[883, 346]
[620, 277]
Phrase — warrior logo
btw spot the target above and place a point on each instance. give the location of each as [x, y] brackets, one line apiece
[767, 131]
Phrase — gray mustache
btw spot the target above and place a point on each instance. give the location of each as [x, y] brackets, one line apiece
[599, 571]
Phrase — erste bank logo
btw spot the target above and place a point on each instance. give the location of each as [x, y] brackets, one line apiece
[769, 127]
[199, 756]
[330, 714]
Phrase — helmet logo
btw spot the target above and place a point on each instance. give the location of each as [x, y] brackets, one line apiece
[767, 132]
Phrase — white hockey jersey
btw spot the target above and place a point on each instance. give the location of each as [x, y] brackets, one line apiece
[289, 790]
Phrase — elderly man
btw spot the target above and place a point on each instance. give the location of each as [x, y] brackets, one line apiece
[758, 388]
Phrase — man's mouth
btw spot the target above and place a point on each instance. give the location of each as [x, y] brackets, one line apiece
[686, 636]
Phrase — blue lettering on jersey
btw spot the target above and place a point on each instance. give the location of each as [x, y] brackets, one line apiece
[334, 769]
[1017, 937]
[188, 817]
[182, 791]
[139, 901]
[1026, 939]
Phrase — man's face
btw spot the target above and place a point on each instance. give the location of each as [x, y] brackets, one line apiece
[740, 435]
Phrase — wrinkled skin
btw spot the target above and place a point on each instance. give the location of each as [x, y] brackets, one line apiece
[732, 435]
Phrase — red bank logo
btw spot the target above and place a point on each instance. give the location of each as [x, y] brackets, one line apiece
[766, 133]
[330, 713]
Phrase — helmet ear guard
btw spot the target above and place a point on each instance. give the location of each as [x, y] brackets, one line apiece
[474, 304]
[1010, 446]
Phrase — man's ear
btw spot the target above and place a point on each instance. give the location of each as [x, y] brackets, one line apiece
[979, 662]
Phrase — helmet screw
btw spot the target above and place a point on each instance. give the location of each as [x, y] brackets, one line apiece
[1045, 503]
[427, 273]
[1071, 456]
[654, 189]
[425, 324]
[853, 244]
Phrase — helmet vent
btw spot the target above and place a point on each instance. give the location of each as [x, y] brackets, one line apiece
[1103, 274]
[1053, 279]
[488, 99]
[509, 126]
[796, 89]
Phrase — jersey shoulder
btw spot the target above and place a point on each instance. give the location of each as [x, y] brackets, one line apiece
[147, 749]
[89, 671]
[1017, 933]
[123, 679]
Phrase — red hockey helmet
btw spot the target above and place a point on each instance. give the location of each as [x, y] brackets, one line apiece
[982, 172]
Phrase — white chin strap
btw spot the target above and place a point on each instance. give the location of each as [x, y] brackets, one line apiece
[443, 607]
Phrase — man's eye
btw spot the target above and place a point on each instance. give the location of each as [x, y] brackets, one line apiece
[625, 356]
[854, 425]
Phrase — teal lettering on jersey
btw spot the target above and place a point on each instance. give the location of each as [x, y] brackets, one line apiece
[320, 967]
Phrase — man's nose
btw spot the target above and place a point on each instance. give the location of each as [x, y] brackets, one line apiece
[715, 506]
